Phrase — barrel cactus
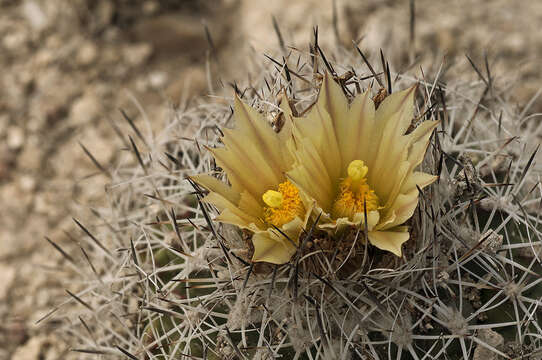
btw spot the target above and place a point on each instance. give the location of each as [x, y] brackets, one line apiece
[329, 209]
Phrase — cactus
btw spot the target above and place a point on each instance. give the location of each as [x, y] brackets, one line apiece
[163, 280]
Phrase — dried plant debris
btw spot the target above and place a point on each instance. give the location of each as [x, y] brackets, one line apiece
[163, 277]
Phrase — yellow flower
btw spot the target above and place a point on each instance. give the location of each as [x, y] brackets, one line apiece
[349, 157]
[255, 159]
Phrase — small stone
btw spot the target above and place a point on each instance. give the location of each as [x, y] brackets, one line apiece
[157, 79]
[41, 206]
[35, 15]
[104, 12]
[25, 77]
[30, 157]
[112, 35]
[14, 40]
[87, 54]
[54, 91]
[14, 202]
[85, 109]
[7, 276]
[30, 350]
[44, 57]
[27, 183]
[15, 137]
[55, 41]
[150, 7]
[137, 54]
[4, 121]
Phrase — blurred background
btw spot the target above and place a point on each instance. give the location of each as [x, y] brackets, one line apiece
[67, 67]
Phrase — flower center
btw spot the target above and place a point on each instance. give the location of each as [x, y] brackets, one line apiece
[354, 192]
[282, 205]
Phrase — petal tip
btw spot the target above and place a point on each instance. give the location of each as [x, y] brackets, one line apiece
[389, 240]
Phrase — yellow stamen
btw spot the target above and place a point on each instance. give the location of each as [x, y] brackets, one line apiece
[283, 205]
[273, 198]
[354, 193]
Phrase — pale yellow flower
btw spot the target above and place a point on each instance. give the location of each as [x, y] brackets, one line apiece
[351, 156]
[255, 159]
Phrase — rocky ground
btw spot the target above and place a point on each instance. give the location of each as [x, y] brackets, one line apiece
[68, 66]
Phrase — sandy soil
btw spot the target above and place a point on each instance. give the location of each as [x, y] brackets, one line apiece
[68, 66]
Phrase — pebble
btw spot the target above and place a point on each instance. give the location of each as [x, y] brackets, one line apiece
[27, 183]
[7, 276]
[137, 54]
[54, 90]
[87, 54]
[29, 351]
[15, 137]
[104, 12]
[157, 79]
[30, 157]
[14, 41]
[85, 109]
[151, 7]
[45, 57]
[4, 121]
[35, 15]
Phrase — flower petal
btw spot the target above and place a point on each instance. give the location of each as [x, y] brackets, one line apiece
[396, 161]
[270, 249]
[311, 176]
[285, 105]
[401, 103]
[214, 185]
[318, 128]
[402, 209]
[271, 246]
[243, 162]
[230, 213]
[418, 178]
[352, 124]
[389, 171]
[285, 134]
[359, 219]
[355, 129]
[259, 136]
[250, 205]
[389, 240]
[332, 98]
[252, 150]
[420, 137]
[237, 209]
[392, 119]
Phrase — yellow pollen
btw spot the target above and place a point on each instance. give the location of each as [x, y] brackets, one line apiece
[354, 192]
[283, 205]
